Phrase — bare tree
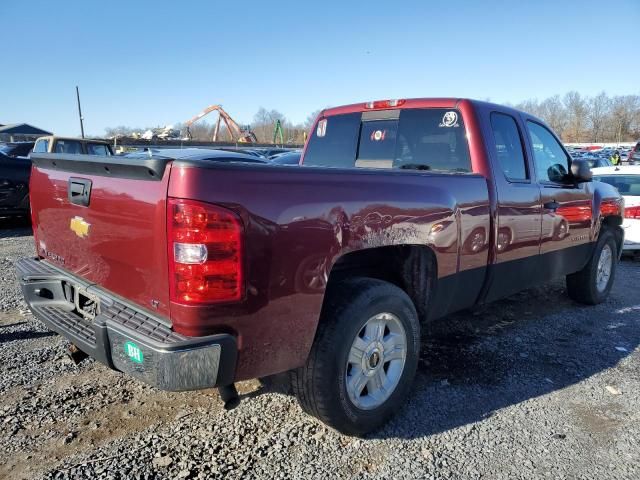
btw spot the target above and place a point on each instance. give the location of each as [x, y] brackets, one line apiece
[598, 111]
[553, 112]
[625, 113]
[308, 123]
[576, 116]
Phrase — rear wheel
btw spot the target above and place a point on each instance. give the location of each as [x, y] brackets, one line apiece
[364, 357]
[592, 284]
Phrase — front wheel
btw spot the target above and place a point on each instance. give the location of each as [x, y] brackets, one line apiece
[363, 359]
[592, 284]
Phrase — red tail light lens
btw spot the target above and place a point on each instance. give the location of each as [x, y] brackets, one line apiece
[610, 207]
[632, 212]
[205, 253]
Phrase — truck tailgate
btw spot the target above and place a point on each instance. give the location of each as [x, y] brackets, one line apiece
[117, 240]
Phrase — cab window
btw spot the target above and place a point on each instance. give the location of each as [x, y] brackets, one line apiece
[552, 163]
[415, 139]
[97, 149]
[508, 147]
[68, 146]
[41, 146]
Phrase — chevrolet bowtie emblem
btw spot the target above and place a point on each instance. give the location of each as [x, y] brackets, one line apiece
[79, 227]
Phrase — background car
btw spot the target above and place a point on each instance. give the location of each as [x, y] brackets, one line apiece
[634, 155]
[596, 162]
[15, 170]
[626, 179]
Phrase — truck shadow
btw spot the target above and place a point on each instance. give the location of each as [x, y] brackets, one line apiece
[23, 335]
[531, 344]
[11, 227]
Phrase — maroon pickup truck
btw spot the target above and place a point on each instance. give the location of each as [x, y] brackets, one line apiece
[192, 270]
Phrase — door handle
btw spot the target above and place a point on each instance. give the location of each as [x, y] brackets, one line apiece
[552, 205]
[79, 191]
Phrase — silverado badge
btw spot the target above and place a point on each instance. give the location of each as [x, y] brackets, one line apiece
[79, 227]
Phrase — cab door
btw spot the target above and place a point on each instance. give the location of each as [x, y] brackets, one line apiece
[519, 210]
[566, 206]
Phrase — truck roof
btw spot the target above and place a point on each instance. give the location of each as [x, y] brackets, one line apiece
[427, 102]
[77, 139]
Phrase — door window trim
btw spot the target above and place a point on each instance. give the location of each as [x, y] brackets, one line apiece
[525, 153]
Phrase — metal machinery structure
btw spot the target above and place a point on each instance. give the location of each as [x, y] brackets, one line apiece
[237, 134]
[277, 132]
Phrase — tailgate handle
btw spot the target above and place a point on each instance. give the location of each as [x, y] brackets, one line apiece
[79, 191]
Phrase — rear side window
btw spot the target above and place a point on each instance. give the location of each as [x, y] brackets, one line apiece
[97, 149]
[432, 139]
[41, 146]
[334, 142]
[428, 139]
[68, 146]
[508, 146]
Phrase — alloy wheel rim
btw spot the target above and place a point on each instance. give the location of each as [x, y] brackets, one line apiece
[376, 361]
[603, 273]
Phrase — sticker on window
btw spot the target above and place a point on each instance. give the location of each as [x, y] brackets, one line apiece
[322, 128]
[450, 119]
[378, 135]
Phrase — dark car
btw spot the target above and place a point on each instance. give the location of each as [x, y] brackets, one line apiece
[287, 158]
[14, 179]
[16, 149]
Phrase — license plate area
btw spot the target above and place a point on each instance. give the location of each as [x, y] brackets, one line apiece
[87, 304]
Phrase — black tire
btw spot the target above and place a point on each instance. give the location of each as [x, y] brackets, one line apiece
[320, 385]
[582, 285]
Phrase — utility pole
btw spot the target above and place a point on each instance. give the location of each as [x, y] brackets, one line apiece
[80, 112]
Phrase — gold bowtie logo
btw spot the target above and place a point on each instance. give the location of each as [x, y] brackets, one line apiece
[79, 227]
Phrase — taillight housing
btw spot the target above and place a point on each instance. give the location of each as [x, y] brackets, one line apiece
[632, 212]
[610, 207]
[205, 253]
[384, 104]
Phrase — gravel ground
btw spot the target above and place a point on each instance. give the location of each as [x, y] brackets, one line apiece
[533, 386]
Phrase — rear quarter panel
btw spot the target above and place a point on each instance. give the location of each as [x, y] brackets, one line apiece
[303, 219]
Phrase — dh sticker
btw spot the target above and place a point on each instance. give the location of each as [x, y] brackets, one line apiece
[450, 119]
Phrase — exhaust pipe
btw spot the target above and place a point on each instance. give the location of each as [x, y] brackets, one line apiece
[229, 396]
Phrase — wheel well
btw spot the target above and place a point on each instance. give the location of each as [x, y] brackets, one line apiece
[412, 268]
[612, 223]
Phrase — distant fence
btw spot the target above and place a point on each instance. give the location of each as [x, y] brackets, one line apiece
[139, 143]
[603, 145]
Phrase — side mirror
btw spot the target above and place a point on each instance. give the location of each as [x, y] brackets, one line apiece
[581, 171]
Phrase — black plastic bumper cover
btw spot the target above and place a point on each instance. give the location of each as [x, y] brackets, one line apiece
[124, 337]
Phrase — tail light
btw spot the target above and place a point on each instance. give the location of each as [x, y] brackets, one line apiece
[205, 253]
[632, 212]
[610, 207]
[383, 104]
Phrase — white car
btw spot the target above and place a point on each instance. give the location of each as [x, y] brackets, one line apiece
[626, 179]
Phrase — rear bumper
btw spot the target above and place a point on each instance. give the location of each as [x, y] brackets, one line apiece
[123, 336]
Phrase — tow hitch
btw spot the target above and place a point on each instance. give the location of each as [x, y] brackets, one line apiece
[229, 396]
